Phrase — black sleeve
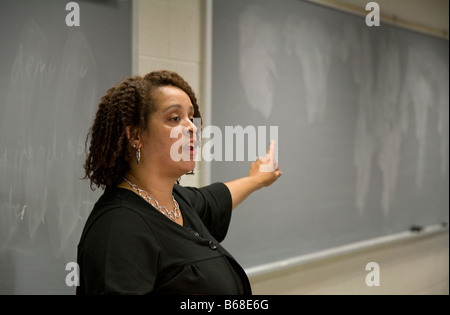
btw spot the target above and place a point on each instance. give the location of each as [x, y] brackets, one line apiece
[213, 204]
[119, 255]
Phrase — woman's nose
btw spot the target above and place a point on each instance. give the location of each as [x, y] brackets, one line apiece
[190, 127]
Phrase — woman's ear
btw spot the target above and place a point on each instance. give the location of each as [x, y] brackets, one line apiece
[133, 136]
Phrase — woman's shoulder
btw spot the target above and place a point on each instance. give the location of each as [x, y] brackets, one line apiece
[117, 205]
[194, 192]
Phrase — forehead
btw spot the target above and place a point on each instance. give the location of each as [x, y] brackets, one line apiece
[172, 95]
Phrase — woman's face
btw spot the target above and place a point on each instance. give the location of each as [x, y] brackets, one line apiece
[170, 141]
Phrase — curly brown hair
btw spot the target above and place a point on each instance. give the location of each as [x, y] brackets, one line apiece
[129, 103]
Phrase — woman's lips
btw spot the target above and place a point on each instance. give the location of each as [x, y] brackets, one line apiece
[191, 147]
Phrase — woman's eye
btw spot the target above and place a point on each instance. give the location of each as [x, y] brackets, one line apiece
[175, 119]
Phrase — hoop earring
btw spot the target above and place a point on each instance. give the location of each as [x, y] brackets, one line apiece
[138, 154]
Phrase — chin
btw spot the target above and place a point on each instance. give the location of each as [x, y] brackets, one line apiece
[191, 166]
[187, 167]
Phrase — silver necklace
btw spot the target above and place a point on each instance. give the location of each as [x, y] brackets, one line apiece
[171, 214]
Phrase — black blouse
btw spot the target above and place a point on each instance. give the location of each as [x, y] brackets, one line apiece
[129, 247]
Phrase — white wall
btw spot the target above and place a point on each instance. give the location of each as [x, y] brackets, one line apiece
[169, 34]
[415, 266]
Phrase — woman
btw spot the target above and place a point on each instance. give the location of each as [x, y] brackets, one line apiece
[147, 234]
